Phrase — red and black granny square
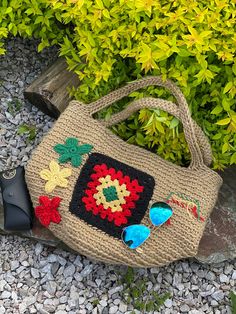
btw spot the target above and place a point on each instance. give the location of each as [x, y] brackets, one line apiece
[111, 195]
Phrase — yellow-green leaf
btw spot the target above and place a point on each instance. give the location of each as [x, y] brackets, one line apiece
[217, 136]
[217, 110]
[223, 121]
[233, 159]
[228, 86]
[225, 147]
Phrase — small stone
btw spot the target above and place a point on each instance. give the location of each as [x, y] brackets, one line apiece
[51, 287]
[69, 271]
[52, 258]
[201, 273]
[98, 281]
[22, 307]
[168, 278]
[115, 290]
[2, 284]
[74, 295]
[89, 308]
[228, 269]
[63, 299]
[38, 249]
[123, 307]
[116, 301]
[113, 309]
[35, 273]
[184, 308]
[55, 267]
[234, 275]
[14, 264]
[224, 278]
[21, 84]
[77, 262]
[9, 278]
[214, 303]
[168, 303]
[103, 303]
[86, 271]
[180, 287]
[2, 309]
[159, 278]
[81, 300]
[46, 269]
[78, 277]
[61, 260]
[218, 295]
[5, 295]
[210, 276]
[30, 300]
[155, 270]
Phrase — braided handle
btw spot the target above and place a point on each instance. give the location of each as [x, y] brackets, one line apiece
[189, 130]
[157, 103]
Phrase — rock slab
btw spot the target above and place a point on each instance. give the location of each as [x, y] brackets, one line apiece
[219, 239]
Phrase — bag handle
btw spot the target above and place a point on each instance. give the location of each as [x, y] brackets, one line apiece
[157, 103]
[197, 158]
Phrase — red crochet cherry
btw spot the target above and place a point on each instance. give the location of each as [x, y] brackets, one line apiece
[47, 212]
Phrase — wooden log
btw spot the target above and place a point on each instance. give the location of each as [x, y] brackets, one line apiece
[49, 92]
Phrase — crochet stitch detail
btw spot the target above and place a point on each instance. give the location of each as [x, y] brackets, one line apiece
[47, 212]
[55, 176]
[111, 195]
[72, 151]
[192, 205]
[116, 210]
[121, 193]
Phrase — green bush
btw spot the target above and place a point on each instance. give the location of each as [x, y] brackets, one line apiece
[110, 42]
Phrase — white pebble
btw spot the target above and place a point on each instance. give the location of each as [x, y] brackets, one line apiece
[168, 303]
[224, 278]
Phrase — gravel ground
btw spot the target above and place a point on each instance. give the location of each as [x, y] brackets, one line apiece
[39, 279]
[18, 69]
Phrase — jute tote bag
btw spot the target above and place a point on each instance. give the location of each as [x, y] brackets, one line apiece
[88, 185]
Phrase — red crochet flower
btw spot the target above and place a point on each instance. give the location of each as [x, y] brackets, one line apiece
[47, 212]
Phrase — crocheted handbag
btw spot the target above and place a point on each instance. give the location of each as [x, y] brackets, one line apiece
[104, 197]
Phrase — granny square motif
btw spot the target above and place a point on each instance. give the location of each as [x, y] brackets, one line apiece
[111, 195]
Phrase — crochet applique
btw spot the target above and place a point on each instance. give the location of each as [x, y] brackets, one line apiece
[181, 200]
[72, 151]
[47, 212]
[111, 195]
[55, 176]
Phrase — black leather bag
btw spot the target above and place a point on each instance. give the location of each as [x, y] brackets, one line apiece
[16, 200]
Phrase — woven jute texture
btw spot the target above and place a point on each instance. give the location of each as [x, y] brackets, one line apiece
[171, 242]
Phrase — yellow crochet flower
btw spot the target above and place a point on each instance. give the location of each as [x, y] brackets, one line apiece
[55, 176]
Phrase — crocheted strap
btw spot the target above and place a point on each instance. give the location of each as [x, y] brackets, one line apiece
[189, 130]
[154, 103]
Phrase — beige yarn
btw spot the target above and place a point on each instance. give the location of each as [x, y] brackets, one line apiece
[166, 244]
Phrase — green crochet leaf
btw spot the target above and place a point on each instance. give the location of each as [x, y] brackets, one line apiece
[85, 149]
[71, 141]
[76, 161]
[60, 148]
[64, 158]
[72, 151]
